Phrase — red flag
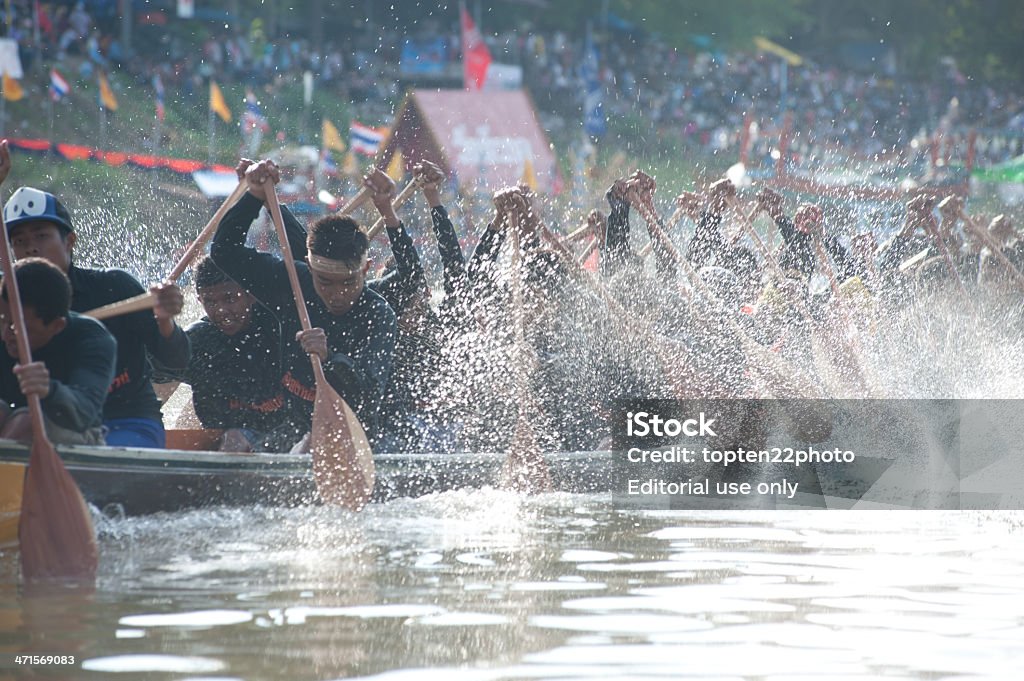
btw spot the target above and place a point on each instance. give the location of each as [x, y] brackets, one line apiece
[476, 58]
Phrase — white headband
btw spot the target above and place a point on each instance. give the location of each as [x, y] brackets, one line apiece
[331, 266]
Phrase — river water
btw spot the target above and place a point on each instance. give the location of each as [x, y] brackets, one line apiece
[486, 584]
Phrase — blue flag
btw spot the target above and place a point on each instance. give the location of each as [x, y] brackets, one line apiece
[593, 107]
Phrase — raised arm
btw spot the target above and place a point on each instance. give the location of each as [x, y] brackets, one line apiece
[452, 260]
[261, 274]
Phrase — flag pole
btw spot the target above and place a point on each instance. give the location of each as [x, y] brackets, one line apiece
[51, 108]
[213, 129]
[103, 127]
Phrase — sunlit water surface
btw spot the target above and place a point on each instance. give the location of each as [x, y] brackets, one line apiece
[486, 584]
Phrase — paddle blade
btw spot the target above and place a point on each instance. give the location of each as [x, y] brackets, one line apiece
[342, 459]
[55, 531]
[525, 468]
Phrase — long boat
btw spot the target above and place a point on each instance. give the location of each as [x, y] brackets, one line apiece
[134, 481]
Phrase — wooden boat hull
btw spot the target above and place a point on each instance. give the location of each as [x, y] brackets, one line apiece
[144, 481]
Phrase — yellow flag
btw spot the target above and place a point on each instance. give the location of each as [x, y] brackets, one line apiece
[217, 103]
[529, 178]
[349, 166]
[331, 138]
[396, 167]
[12, 89]
[107, 99]
[765, 45]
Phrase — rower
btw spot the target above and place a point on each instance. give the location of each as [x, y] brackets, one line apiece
[235, 367]
[799, 253]
[354, 328]
[72, 361]
[40, 226]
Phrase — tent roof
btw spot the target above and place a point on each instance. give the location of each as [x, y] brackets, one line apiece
[487, 139]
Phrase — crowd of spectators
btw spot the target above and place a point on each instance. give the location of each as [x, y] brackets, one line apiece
[697, 98]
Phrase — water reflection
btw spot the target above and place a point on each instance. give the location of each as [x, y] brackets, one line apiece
[489, 585]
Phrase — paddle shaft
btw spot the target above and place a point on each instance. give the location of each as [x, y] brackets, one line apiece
[994, 247]
[361, 197]
[274, 207]
[533, 475]
[196, 247]
[146, 301]
[17, 320]
[588, 251]
[399, 200]
[577, 234]
[947, 257]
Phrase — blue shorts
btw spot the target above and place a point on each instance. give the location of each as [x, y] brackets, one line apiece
[142, 433]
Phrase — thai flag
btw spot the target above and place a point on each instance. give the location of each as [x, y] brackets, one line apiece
[253, 116]
[327, 164]
[364, 139]
[59, 87]
[158, 87]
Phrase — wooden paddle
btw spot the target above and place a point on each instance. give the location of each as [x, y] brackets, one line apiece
[588, 251]
[145, 301]
[55, 530]
[996, 249]
[361, 197]
[947, 257]
[525, 469]
[342, 459]
[402, 197]
[578, 234]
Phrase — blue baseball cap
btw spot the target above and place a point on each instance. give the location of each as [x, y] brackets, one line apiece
[29, 204]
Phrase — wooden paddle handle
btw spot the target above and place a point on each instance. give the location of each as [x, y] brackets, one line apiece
[361, 197]
[146, 301]
[748, 227]
[196, 247]
[588, 251]
[994, 247]
[143, 301]
[403, 196]
[274, 207]
[17, 320]
[577, 234]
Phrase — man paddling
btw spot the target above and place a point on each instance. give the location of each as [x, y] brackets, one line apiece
[354, 329]
[40, 226]
[73, 361]
[235, 367]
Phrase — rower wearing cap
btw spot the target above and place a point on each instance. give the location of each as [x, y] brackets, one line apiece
[39, 225]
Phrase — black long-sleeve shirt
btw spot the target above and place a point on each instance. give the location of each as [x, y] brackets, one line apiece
[615, 249]
[236, 380]
[131, 392]
[707, 243]
[799, 253]
[80, 360]
[448, 247]
[361, 341]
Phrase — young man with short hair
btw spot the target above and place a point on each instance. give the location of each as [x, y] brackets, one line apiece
[235, 367]
[39, 225]
[354, 328]
[72, 360]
